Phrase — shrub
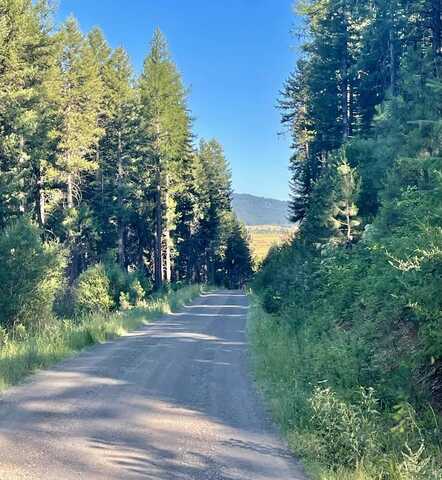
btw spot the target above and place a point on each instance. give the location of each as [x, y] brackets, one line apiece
[118, 279]
[146, 282]
[93, 292]
[124, 301]
[341, 431]
[347, 432]
[39, 348]
[64, 304]
[30, 274]
[130, 288]
[271, 301]
[136, 292]
[19, 333]
[4, 337]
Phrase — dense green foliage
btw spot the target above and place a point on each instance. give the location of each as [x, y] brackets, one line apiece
[340, 433]
[237, 257]
[107, 167]
[355, 300]
[30, 275]
[93, 291]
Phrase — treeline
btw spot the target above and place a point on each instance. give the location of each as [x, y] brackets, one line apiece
[358, 291]
[101, 166]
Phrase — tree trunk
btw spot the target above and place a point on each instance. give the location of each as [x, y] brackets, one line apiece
[436, 29]
[70, 191]
[345, 85]
[350, 108]
[40, 199]
[167, 254]
[121, 246]
[392, 52]
[348, 220]
[74, 265]
[41, 205]
[210, 271]
[168, 259]
[22, 161]
[74, 268]
[121, 226]
[158, 251]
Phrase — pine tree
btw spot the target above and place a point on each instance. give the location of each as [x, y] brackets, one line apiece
[344, 219]
[76, 93]
[166, 121]
[237, 258]
[214, 191]
[107, 166]
[26, 51]
[185, 196]
[117, 152]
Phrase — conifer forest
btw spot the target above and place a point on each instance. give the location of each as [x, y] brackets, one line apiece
[358, 292]
[114, 213]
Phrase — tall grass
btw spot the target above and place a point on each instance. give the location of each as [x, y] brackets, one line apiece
[26, 352]
[336, 438]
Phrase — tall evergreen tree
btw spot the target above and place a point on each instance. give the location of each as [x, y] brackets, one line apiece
[106, 164]
[237, 258]
[166, 119]
[214, 191]
[76, 93]
[344, 220]
[26, 52]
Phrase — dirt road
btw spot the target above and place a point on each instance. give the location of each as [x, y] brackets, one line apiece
[173, 400]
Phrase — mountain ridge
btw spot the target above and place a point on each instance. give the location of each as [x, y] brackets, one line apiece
[254, 210]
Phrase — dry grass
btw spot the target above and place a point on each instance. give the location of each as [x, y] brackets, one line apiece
[262, 238]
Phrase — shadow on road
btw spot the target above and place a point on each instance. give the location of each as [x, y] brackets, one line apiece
[172, 400]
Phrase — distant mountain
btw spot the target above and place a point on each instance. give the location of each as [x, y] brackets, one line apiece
[254, 210]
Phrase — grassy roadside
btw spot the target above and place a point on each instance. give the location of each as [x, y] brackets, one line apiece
[25, 354]
[336, 438]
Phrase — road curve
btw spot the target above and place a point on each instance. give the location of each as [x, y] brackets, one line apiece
[173, 400]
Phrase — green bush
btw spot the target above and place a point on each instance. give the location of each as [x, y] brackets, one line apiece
[347, 432]
[136, 292]
[124, 301]
[118, 280]
[354, 309]
[30, 275]
[64, 304]
[4, 336]
[93, 291]
[147, 284]
[271, 301]
[340, 433]
[19, 332]
[128, 287]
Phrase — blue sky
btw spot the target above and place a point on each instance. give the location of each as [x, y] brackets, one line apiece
[234, 56]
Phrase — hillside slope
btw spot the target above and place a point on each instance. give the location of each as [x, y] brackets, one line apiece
[253, 210]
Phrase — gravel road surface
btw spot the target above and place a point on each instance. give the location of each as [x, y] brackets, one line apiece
[173, 400]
